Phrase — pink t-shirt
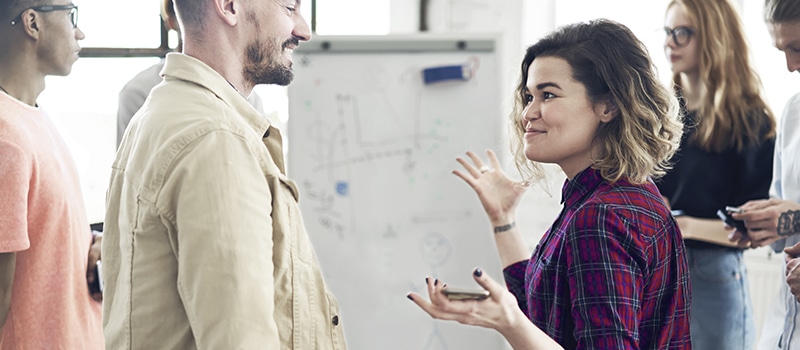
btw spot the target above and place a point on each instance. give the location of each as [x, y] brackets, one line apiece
[43, 220]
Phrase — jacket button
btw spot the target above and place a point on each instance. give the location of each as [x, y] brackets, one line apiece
[335, 320]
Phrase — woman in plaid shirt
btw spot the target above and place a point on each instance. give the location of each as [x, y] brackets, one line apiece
[611, 271]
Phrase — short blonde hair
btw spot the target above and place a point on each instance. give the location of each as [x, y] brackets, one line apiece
[781, 11]
[190, 13]
[614, 65]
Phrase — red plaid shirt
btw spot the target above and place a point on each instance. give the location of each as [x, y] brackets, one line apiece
[611, 272]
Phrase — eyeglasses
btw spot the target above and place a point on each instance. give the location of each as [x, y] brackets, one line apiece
[680, 35]
[73, 12]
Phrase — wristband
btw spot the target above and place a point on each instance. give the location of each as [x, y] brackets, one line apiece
[504, 228]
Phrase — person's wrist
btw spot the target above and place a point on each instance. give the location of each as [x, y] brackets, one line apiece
[501, 223]
[498, 219]
[505, 228]
[788, 223]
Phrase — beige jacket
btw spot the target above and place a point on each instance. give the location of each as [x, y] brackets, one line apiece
[204, 244]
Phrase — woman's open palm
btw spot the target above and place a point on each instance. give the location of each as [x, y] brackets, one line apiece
[498, 194]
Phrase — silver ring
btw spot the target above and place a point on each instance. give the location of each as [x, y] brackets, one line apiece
[485, 169]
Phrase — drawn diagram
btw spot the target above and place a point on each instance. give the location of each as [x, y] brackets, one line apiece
[379, 125]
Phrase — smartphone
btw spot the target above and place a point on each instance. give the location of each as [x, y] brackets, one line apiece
[676, 212]
[98, 270]
[730, 221]
[97, 285]
[465, 294]
[733, 210]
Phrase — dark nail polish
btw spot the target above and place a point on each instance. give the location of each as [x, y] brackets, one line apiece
[478, 272]
[426, 280]
[436, 281]
[444, 285]
[409, 297]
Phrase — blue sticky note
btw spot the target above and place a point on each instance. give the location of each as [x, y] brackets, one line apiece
[444, 73]
[342, 188]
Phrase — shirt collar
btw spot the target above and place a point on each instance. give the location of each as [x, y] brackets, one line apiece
[187, 68]
[582, 183]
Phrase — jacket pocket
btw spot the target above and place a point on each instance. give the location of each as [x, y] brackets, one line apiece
[294, 227]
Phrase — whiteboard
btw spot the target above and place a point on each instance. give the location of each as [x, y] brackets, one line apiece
[372, 149]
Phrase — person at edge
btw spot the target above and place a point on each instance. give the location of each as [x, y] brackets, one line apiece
[776, 220]
[48, 254]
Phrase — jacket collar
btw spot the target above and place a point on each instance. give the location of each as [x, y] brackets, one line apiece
[187, 68]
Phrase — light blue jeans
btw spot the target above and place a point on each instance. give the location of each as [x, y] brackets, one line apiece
[722, 313]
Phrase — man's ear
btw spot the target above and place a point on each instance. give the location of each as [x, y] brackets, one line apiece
[228, 10]
[30, 21]
[607, 109]
[172, 23]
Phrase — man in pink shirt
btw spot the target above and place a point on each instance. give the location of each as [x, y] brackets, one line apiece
[47, 252]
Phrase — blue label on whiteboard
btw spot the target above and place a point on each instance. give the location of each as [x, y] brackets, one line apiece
[342, 188]
[445, 73]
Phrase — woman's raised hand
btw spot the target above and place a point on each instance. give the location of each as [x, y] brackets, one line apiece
[498, 194]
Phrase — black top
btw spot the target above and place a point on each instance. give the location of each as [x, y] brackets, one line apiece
[701, 182]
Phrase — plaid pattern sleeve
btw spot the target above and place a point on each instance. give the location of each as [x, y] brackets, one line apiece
[622, 276]
[515, 282]
[606, 278]
[613, 273]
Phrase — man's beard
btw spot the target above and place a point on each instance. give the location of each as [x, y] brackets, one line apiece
[263, 64]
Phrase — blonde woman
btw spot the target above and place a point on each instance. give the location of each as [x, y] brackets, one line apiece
[725, 160]
[611, 272]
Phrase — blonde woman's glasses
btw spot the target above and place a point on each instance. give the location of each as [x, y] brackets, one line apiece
[680, 35]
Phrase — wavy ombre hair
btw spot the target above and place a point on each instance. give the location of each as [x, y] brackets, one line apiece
[732, 112]
[613, 65]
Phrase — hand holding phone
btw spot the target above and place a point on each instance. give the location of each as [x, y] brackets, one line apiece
[730, 221]
[97, 285]
[733, 210]
[465, 294]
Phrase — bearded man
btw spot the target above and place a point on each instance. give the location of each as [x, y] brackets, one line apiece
[204, 246]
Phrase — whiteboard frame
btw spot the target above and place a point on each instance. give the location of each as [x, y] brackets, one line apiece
[399, 44]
